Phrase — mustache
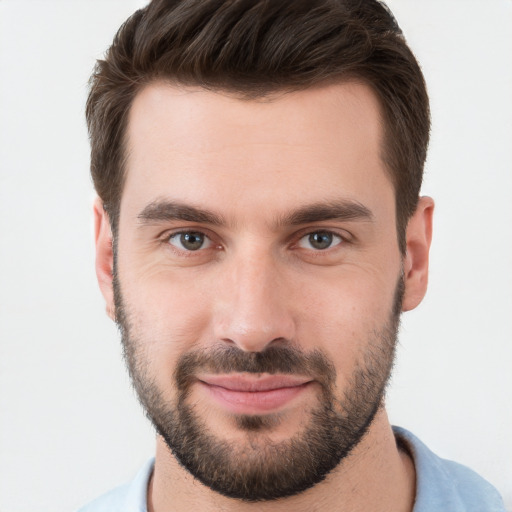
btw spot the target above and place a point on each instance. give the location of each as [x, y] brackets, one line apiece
[273, 360]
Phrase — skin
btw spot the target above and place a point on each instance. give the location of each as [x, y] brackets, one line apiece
[260, 282]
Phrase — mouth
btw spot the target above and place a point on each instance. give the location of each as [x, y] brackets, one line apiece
[258, 394]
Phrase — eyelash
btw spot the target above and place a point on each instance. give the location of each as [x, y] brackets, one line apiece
[332, 243]
[167, 240]
[298, 237]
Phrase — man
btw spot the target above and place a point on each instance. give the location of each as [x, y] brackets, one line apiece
[259, 231]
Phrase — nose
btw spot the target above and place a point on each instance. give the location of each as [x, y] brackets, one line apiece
[254, 305]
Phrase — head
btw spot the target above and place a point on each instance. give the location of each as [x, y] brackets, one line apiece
[253, 49]
[259, 228]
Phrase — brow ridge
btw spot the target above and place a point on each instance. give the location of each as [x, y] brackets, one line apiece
[342, 210]
[165, 211]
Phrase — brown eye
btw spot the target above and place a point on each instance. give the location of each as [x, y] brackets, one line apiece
[319, 240]
[190, 240]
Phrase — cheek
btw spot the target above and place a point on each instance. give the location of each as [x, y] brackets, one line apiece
[344, 319]
[168, 316]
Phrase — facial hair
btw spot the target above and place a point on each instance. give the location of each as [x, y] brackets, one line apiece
[260, 469]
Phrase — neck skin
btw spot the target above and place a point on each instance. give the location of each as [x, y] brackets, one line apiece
[376, 476]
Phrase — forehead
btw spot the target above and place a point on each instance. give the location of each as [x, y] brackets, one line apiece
[200, 146]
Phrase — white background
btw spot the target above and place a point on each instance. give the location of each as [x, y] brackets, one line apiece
[70, 427]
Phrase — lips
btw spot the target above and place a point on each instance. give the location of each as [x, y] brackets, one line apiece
[247, 394]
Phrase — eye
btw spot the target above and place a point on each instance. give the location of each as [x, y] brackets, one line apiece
[320, 240]
[190, 240]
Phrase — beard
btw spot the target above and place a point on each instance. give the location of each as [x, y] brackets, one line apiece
[260, 469]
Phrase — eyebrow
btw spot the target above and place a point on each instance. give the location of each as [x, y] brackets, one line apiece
[165, 211]
[344, 210]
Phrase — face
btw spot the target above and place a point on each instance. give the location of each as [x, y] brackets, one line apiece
[258, 280]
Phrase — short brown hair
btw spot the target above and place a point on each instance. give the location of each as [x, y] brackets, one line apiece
[253, 48]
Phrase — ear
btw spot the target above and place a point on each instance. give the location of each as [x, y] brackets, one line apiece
[418, 238]
[104, 255]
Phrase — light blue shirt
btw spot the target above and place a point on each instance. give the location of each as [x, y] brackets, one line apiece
[441, 485]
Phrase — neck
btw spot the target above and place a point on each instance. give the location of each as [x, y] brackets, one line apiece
[376, 476]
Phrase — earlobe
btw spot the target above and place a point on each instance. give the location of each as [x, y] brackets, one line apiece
[104, 255]
[418, 238]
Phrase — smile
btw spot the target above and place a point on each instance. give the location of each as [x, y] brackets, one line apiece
[244, 394]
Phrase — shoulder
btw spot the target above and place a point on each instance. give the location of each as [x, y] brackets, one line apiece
[131, 497]
[446, 485]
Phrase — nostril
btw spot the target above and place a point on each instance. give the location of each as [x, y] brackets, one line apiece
[253, 327]
[278, 341]
[254, 342]
[227, 341]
